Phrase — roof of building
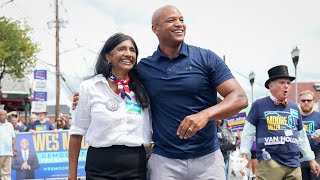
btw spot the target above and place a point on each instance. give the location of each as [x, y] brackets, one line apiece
[15, 85]
[64, 109]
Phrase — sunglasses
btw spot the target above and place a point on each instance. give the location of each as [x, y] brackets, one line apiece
[306, 100]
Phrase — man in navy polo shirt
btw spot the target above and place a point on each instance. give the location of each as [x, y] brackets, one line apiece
[182, 82]
[276, 123]
[311, 123]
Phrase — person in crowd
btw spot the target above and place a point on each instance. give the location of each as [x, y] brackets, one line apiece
[182, 82]
[53, 121]
[276, 123]
[7, 146]
[227, 141]
[42, 124]
[26, 161]
[113, 115]
[14, 121]
[32, 119]
[311, 122]
[253, 163]
[60, 123]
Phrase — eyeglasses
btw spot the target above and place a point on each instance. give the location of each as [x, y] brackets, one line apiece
[306, 100]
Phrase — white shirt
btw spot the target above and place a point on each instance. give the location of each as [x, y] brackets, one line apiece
[106, 119]
[25, 154]
[7, 134]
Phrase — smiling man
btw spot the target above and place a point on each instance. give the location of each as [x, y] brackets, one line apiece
[277, 124]
[182, 82]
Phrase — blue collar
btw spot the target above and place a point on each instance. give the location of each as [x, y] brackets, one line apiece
[183, 51]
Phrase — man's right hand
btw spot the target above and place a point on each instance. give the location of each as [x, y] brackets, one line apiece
[245, 158]
[75, 100]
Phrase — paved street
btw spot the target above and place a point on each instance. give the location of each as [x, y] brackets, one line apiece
[237, 177]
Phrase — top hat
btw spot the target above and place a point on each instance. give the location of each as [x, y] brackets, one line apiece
[278, 72]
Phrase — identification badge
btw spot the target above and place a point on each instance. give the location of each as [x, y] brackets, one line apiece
[112, 105]
[133, 108]
[288, 132]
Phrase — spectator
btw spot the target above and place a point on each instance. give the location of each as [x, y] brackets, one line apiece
[14, 121]
[60, 123]
[7, 146]
[311, 123]
[227, 143]
[42, 124]
[253, 162]
[32, 119]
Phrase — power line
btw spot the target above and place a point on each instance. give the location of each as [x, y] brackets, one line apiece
[5, 3]
[247, 77]
[67, 84]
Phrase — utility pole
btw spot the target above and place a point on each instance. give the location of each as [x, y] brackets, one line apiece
[57, 23]
[57, 61]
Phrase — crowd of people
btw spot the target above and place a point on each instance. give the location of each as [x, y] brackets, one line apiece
[37, 121]
[168, 102]
[25, 160]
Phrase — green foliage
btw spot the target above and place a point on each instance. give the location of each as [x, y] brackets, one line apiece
[17, 51]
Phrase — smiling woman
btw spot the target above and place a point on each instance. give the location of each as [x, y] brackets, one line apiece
[113, 115]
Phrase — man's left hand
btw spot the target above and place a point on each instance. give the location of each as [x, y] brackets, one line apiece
[191, 124]
[315, 167]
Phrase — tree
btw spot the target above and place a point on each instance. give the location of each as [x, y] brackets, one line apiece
[17, 51]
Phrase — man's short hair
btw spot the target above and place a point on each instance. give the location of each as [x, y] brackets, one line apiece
[306, 92]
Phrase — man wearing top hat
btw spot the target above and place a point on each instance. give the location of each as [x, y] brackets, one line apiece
[276, 123]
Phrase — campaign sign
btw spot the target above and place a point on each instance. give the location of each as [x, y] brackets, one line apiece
[39, 106]
[40, 74]
[39, 85]
[45, 155]
[39, 96]
[237, 122]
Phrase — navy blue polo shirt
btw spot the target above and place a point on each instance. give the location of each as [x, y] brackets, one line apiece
[178, 87]
[277, 130]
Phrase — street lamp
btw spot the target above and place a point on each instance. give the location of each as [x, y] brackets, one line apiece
[295, 58]
[251, 78]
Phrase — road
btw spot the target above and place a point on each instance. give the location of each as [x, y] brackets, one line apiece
[232, 177]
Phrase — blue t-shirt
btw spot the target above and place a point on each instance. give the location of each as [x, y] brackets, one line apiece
[38, 126]
[18, 129]
[277, 130]
[310, 124]
[178, 87]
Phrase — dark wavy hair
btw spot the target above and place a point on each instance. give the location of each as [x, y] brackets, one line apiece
[104, 68]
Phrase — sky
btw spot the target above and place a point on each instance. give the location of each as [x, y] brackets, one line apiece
[252, 35]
